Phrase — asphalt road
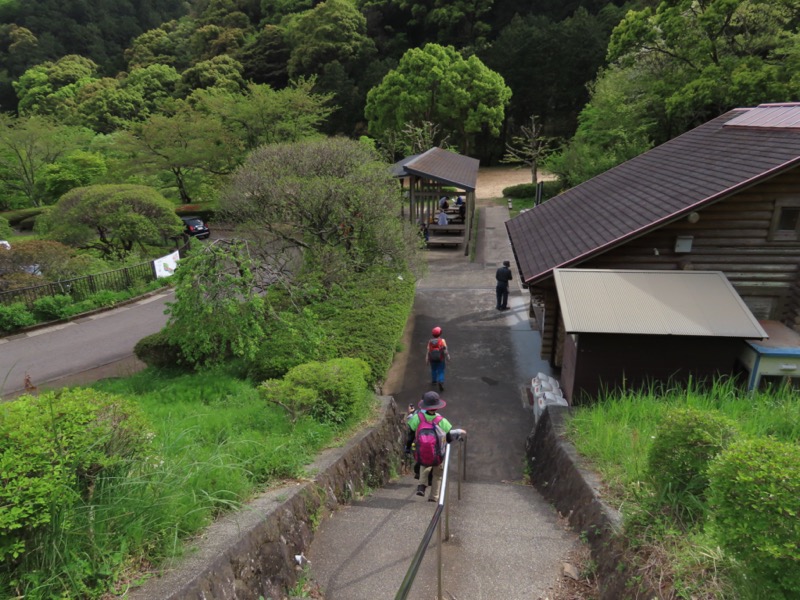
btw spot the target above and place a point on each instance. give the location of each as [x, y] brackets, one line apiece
[67, 353]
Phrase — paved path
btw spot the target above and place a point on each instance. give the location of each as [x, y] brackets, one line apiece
[506, 541]
[83, 350]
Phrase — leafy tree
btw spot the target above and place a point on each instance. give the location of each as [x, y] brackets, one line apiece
[104, 105]
[112, 219]
[155, 83]
[265, 57]
[53, 261]
[266, 116]
[76, 169]
[51, 87]
[437, 84]
[329, 201]
[221, 72]
[19, 49]
[183, 144]
[165, 45]
[331, 42]
[216, 313]
[27, 147]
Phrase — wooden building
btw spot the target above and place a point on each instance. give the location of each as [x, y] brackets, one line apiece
[724, 196]
[426, 178]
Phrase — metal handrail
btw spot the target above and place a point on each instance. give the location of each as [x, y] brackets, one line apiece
[436, 524]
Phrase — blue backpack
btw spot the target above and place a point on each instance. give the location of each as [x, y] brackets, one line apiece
[430, 441]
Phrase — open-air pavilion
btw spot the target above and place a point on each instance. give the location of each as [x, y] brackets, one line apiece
[426, 178]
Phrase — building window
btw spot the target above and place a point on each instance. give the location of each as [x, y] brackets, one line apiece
[785, 225]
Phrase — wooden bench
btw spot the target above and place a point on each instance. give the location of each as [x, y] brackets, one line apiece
[450, 228]
[445, 240]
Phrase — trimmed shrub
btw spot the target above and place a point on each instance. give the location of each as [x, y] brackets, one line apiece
[340, 386]
[158, 351]
[49, 308]
[52, 448]
[13, 316]
[295, 399]
[27, 224]
[521, 190]
[754, 495]
[686, 441]
[5, 229]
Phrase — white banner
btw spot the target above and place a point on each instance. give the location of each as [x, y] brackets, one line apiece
[165, 266]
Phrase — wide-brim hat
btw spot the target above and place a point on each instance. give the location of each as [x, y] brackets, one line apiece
[431, 401]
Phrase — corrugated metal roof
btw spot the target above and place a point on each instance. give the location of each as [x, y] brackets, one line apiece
[688, 172]
[783, 116]
[696, 303]
[441, 165]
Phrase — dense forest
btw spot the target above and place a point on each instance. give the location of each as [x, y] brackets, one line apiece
[604, 80]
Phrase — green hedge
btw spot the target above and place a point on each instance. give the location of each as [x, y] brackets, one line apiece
[14, 316]
[528, 190]
[754, 493]
[15, 217]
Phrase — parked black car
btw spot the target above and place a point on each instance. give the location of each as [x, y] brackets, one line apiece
[195, 227]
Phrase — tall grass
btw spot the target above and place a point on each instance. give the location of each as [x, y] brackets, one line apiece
[215, 444]
[616, 434]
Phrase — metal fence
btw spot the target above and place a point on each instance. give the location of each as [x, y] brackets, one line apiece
[80, 288]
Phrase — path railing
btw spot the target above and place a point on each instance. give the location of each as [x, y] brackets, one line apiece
[436, 523]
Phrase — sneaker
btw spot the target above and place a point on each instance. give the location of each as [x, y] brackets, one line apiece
[420, 490]
[441, 386]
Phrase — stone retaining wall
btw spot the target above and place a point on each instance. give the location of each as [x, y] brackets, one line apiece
[557, 471]
[251, 553]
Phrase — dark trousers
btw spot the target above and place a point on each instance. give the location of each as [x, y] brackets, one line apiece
[502, 296]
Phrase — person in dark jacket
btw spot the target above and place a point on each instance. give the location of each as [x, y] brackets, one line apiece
[503, 276]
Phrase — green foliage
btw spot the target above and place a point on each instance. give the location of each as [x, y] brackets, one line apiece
[330, 201]
[290, 339]
[5, 229]
[50, 88]
[76, 169]
[15, 217]
[53, 448]
[216, 315]
[365, 318]
[50, 308]
[112, 219]
[339, 386]
[521, 190]
[206, 213]
[296, 399]
[13, 316]
[755, 495]
[156, 350]
[437, 84]
[686, 441]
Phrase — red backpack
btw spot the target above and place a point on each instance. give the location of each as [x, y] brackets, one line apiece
[430, 441]
[436, 350]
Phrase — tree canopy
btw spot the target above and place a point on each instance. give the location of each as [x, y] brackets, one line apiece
[437, 84]
[324, 208]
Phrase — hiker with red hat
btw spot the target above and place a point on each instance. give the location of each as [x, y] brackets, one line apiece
[437, 357]
[430, 433]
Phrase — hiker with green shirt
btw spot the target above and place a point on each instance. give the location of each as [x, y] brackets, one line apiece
[430, 433]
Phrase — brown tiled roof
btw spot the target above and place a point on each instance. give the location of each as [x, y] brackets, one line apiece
[441, 165]
[688, 172]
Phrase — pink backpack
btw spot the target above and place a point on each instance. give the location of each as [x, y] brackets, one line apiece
[430, 441]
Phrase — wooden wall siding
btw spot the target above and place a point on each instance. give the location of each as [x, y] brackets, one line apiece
[731, 236]
[605, 362]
